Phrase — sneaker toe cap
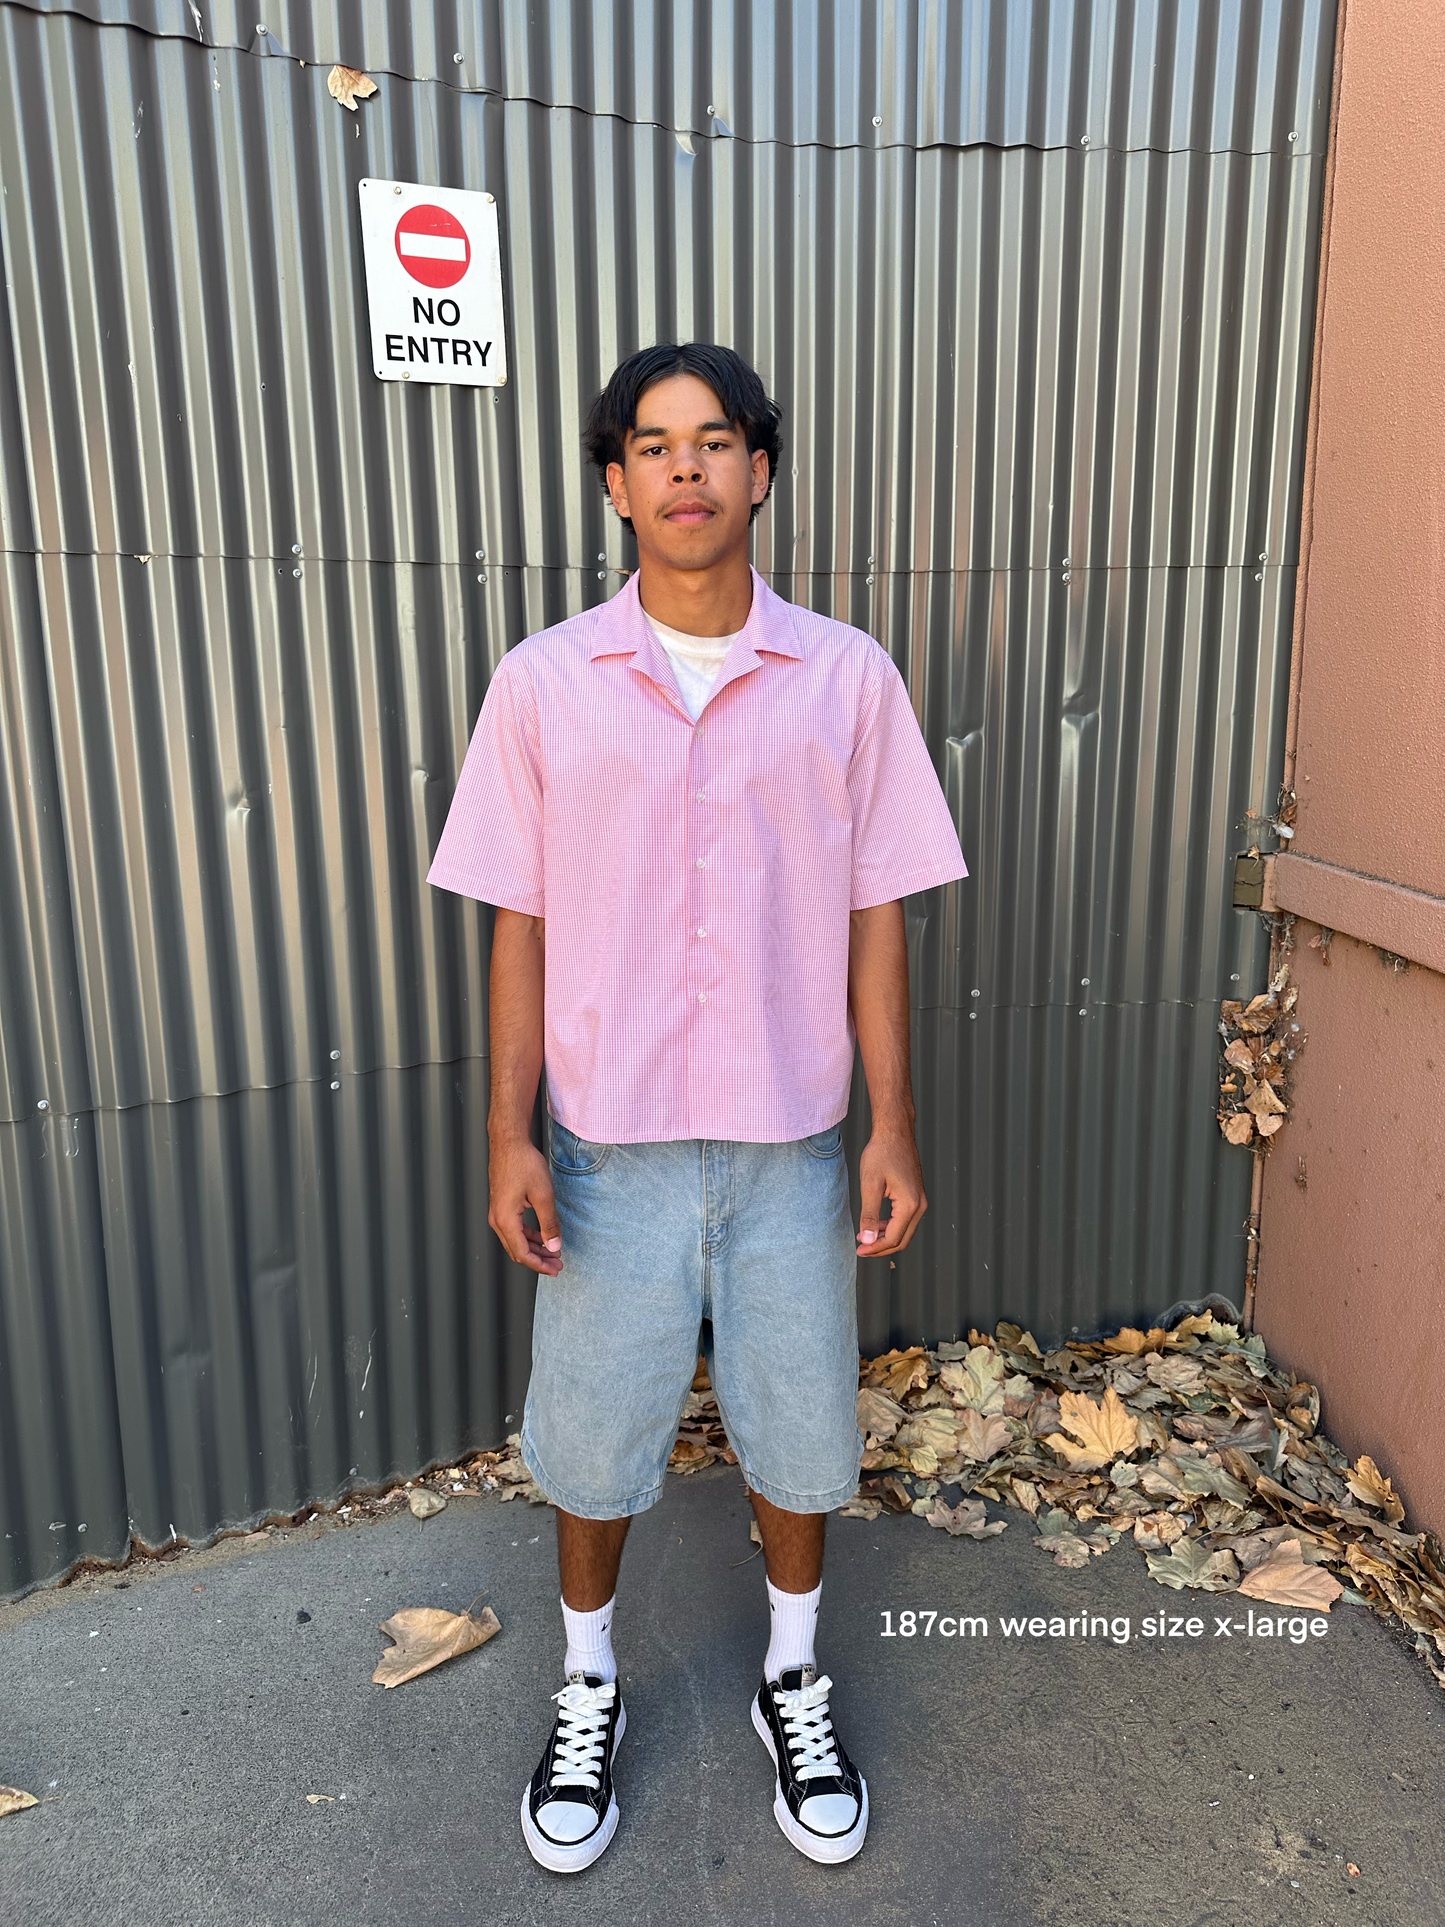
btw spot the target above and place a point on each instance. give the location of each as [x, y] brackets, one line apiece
[829, 1813]
[566, 1821]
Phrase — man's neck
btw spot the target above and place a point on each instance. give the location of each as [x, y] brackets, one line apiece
[699, 602]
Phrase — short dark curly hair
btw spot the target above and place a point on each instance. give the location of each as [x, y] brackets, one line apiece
[745, 402]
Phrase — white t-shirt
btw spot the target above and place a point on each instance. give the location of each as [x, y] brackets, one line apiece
[696, 661]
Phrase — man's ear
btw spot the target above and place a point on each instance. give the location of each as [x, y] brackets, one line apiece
[761, 474]
[617, 488]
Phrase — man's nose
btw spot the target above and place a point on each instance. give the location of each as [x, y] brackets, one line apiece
[686, 467]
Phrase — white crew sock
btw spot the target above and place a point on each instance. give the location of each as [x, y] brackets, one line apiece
[794, 1619]
[589, 1641]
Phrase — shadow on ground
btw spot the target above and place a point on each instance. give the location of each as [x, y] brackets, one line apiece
[181, 1713]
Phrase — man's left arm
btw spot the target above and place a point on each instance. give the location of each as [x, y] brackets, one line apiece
[878, 996]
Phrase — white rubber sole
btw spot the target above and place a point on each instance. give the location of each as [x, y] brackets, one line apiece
[560, 1858]
[827, 1848]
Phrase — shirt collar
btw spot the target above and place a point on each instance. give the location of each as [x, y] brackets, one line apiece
[622, 630]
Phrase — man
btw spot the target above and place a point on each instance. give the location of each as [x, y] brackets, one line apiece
[696, 809]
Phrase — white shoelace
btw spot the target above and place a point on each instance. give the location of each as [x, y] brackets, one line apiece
[809, 1730]
[582, 1738]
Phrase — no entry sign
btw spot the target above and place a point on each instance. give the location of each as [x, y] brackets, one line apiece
[433, 284]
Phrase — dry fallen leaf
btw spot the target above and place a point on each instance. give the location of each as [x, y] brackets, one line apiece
[1264, 1103]
[423, 1503]
[976, 1381]
[878, 1415]
[348, 85]
[1106, 1430]
[1269, 1125]
[1131, 1341]
[1190, 1563]
[14, 1799]
[1371, 1487]
[1239, 1128]
[425, 1636]
[1285, 1580]
[979, 1438]
[320, 1800]
[968, 1519]
[860, 1508]
[1067, 1548]
[899, 1372]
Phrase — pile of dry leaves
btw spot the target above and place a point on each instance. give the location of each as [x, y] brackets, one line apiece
[1190, 1440]
[1261, 1040]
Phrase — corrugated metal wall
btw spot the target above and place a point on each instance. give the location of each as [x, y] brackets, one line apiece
[1032, 281]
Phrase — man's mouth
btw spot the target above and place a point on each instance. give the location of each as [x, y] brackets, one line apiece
[689, 514]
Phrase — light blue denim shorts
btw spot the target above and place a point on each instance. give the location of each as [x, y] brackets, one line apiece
[744, 1251]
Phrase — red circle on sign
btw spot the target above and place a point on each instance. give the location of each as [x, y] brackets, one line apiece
[432, 246]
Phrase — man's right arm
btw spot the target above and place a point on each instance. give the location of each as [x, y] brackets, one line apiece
[517, 1171]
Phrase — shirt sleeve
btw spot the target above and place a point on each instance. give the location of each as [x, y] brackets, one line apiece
[491, 842]
[903, 834]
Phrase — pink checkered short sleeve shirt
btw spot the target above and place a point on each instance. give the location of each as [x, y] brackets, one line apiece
[696, 877]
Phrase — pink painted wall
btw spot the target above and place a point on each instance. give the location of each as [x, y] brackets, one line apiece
[1351, 1284]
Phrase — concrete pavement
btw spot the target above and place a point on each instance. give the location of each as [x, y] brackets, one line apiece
[182, 1712]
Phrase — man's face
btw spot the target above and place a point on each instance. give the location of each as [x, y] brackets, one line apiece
[687, 480]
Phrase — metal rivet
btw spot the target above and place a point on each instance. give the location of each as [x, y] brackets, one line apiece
[396, 189]
[490, 197]
[1066, 577]
[296, 549]
[973, 1016]
[261, 29]
[483, 576]
[877, 120]
[871, 560]
[602, 575]
[406, 374]
[43, 1105]
[481, 555]
[1234, 976]
[335, 1084]
[1085, 982]
[1065, 562]
[1259, 578]
[457, 59]
[1083, 140]
[296, 573]
[1263, 556]
[975, 993]
[501, 379]
[334, 1055]
[1294, 136]
[1083, 1013]
[868, 580]
[710, 108]
[602, 555]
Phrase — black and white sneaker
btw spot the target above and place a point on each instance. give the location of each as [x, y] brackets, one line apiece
[569, 1811]
[821, 1799]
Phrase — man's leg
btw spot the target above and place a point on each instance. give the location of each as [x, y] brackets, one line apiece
[792, 1545]
[793, 1554]
[589, 1552]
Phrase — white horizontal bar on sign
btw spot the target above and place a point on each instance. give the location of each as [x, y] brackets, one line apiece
[435, 247]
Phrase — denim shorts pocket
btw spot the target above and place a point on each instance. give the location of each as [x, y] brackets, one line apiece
[575, 1155]
[825, 1144]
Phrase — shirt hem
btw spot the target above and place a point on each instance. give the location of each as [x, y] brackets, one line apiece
[907, 886]
[525, 904]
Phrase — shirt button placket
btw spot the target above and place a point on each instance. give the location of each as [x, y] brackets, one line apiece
[698, 919]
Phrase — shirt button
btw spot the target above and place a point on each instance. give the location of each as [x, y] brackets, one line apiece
[699, 863]
[702, 996]
[702, 933]
[702, 796]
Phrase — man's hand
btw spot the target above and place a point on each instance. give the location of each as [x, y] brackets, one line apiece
[518, 1176]
[889, 1168]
